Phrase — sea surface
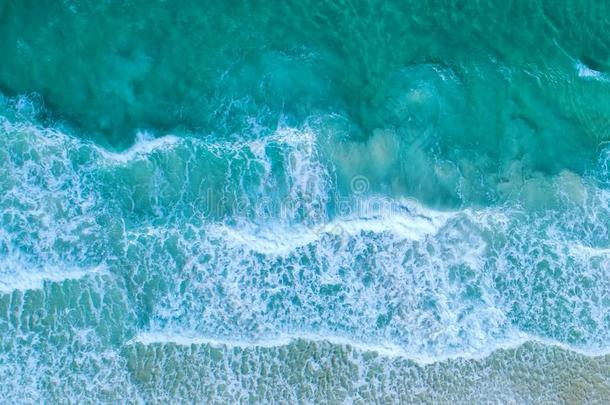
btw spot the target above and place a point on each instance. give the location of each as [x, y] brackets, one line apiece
[303, 201]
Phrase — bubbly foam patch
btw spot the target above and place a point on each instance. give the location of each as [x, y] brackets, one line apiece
[440, 277]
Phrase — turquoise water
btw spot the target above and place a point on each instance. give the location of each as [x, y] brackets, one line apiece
[304, 202]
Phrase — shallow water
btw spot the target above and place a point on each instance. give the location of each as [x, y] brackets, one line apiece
[304, 202]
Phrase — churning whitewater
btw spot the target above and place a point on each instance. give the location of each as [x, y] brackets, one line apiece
[355, 202]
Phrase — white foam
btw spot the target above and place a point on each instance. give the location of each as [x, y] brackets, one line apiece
[277, 240]
[587, 251]
[409, 220]
[144, 145]
[17, 277]
[189, 338]
[586, 72]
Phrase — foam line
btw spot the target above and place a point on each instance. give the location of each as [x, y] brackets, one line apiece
[143, 146]
[412, 222]
[384, 349]
[25, 280]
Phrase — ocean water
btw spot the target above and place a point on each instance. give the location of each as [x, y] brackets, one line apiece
[304, 201]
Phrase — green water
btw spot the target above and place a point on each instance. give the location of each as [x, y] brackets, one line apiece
[304, 201]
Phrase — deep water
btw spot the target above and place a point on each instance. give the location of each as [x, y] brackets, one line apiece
[304, 201]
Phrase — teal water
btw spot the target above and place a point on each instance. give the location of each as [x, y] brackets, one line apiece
[304, 201]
